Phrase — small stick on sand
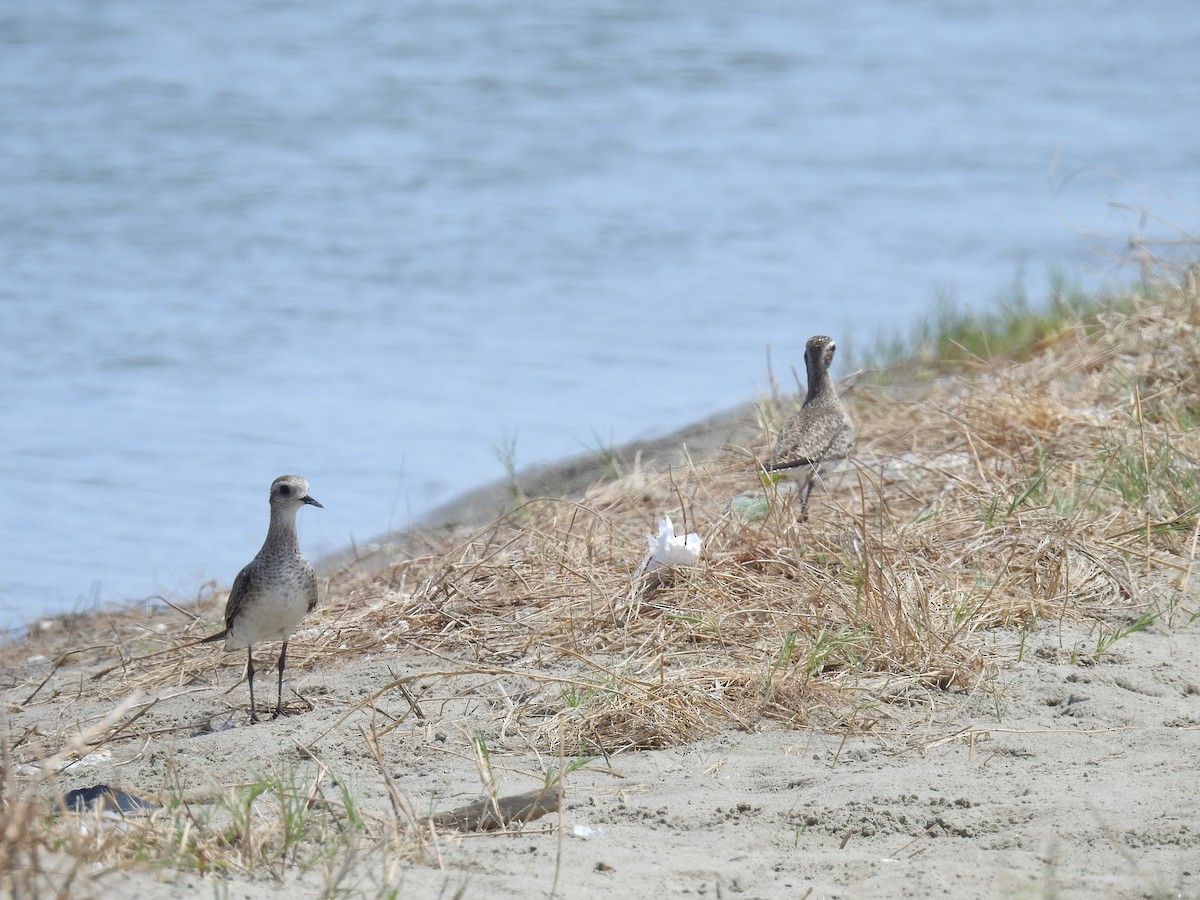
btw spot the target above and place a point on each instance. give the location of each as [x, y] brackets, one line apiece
[491, 815]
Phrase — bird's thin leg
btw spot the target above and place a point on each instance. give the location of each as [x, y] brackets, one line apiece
[282, 657]
[809, 484]
[250, 678]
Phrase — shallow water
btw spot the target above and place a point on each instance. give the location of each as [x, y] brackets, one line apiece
[369, 243]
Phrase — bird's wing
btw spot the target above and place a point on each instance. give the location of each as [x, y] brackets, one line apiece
[237, 595]
[790, 450]
[312, 590]
[800, 444]
[777, 465]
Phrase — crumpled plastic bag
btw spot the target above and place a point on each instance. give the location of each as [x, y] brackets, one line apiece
[665, 552]
[668, 550]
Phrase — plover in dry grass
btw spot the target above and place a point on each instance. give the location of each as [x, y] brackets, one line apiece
[276, 590]
[821, 429]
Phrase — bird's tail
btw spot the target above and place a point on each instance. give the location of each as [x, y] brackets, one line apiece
[205, 640]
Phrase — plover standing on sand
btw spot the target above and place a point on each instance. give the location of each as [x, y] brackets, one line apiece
[276, 590]
[821, 429]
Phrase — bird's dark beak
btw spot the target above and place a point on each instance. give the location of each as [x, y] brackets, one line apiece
[308, 499]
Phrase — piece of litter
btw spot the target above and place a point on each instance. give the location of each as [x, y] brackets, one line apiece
[587, 832]
[750, 506]
[109, 799]
[668, 550]
[96, 756]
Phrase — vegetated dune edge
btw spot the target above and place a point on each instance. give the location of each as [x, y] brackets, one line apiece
[972, 671]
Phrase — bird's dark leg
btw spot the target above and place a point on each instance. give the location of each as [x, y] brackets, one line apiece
[250, 678]
[282, 657]
[809, 484]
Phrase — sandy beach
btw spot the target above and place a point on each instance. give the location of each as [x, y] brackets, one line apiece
[1052, 782]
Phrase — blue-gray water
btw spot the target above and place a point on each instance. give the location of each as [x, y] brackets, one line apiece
[368, 241]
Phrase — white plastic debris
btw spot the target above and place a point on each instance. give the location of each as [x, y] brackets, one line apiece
[94, 758]
[667, 550]
[587, 832]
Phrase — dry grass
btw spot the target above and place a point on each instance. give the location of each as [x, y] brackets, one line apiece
[1065, 486]
[1062, 486]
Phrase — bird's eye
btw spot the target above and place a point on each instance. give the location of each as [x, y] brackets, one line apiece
[285, 489]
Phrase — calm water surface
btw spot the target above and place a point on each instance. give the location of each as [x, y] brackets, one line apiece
[368, 242]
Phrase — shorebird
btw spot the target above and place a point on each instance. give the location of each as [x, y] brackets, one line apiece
[276, 589]
[821, 429]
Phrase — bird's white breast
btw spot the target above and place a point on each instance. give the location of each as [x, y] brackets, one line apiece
[272, 616]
